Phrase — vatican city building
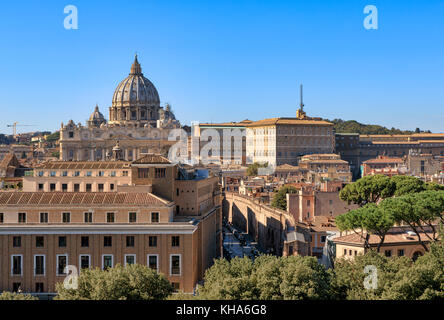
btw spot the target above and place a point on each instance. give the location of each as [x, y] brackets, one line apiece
[137, 123]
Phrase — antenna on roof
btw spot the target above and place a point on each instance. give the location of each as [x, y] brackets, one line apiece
[302, 103]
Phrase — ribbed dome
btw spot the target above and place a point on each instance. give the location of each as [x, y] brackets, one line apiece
[96, 118]
[96, 115]
[136, 89]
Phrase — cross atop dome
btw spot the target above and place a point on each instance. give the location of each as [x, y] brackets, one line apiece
[136, 69]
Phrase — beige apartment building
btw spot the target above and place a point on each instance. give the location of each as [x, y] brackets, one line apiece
[397, 242]
[282, 140]
[165, 217]
[78, 176]
[325, 167]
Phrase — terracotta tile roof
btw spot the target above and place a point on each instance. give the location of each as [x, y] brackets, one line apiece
[286, 167]
[79, 198]
[8, 160]
[390, 238]
[152, 159]
[78, 165]
[281, 121]
[384, 160]
[227, 124]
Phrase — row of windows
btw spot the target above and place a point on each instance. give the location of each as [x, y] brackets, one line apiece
[76, 187]
[86, 174]
[87, 217]
[85, 263]
[387, 253]
[84, 241]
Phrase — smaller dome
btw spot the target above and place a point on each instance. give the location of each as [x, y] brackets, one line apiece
[96, 119]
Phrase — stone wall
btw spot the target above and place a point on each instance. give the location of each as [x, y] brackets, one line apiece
[265, 224]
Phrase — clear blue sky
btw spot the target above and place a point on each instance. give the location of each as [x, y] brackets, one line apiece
[219, 61]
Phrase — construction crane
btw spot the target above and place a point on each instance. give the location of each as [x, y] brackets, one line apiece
[15, 125]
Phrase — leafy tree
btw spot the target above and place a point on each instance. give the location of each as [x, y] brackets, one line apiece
[6, 295]
[347, 278]
[434, 186]
[133, 282]
[423, 280]
[252, 169]
[280, 198]
[268, 277]
[369, 189]
[229, 280]
[367, 220]
[407, 185]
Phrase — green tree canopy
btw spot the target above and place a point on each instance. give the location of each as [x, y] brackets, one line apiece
[253, 169]
[6, 295]
[133, 282]
[280, 198]
[369, 189]
[268, 277]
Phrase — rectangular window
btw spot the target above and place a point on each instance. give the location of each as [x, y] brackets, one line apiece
[175, 241]
[111, 186]
[84, 242]
[88, 217]
[66, 217]
[125, 173]
[175, 264]
[52, 187]
[40, 186]
[77, 174]
[64, 173]
[62, 242]
[88, 187]
[43, 217]
[101, 174]
[76, 187]
[107, 241]
[84, 262]
[71, 134]
[112, 174]
[152, 241]
[130, 241]
[39, 265]
[132, 217]
[17, 241]
[142, 173]
[388, 253]
[107, 262]
[130, 259]
[176, 286]
[160, 172]
[154, 217]
[323, 238]
[39, 287]
[39, 242]
[101, 187]
[62, 262]
[88, 173]
[1, 217]
[64, 187]
[22, 217]
[16, 265]
[345, 252]
[110, 217]
[400, 252]
[153, 261]
[53, 174]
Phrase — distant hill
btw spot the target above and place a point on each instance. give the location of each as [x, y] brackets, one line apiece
[353, 126]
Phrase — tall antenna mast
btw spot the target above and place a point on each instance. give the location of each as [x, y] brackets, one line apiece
[302, 103]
